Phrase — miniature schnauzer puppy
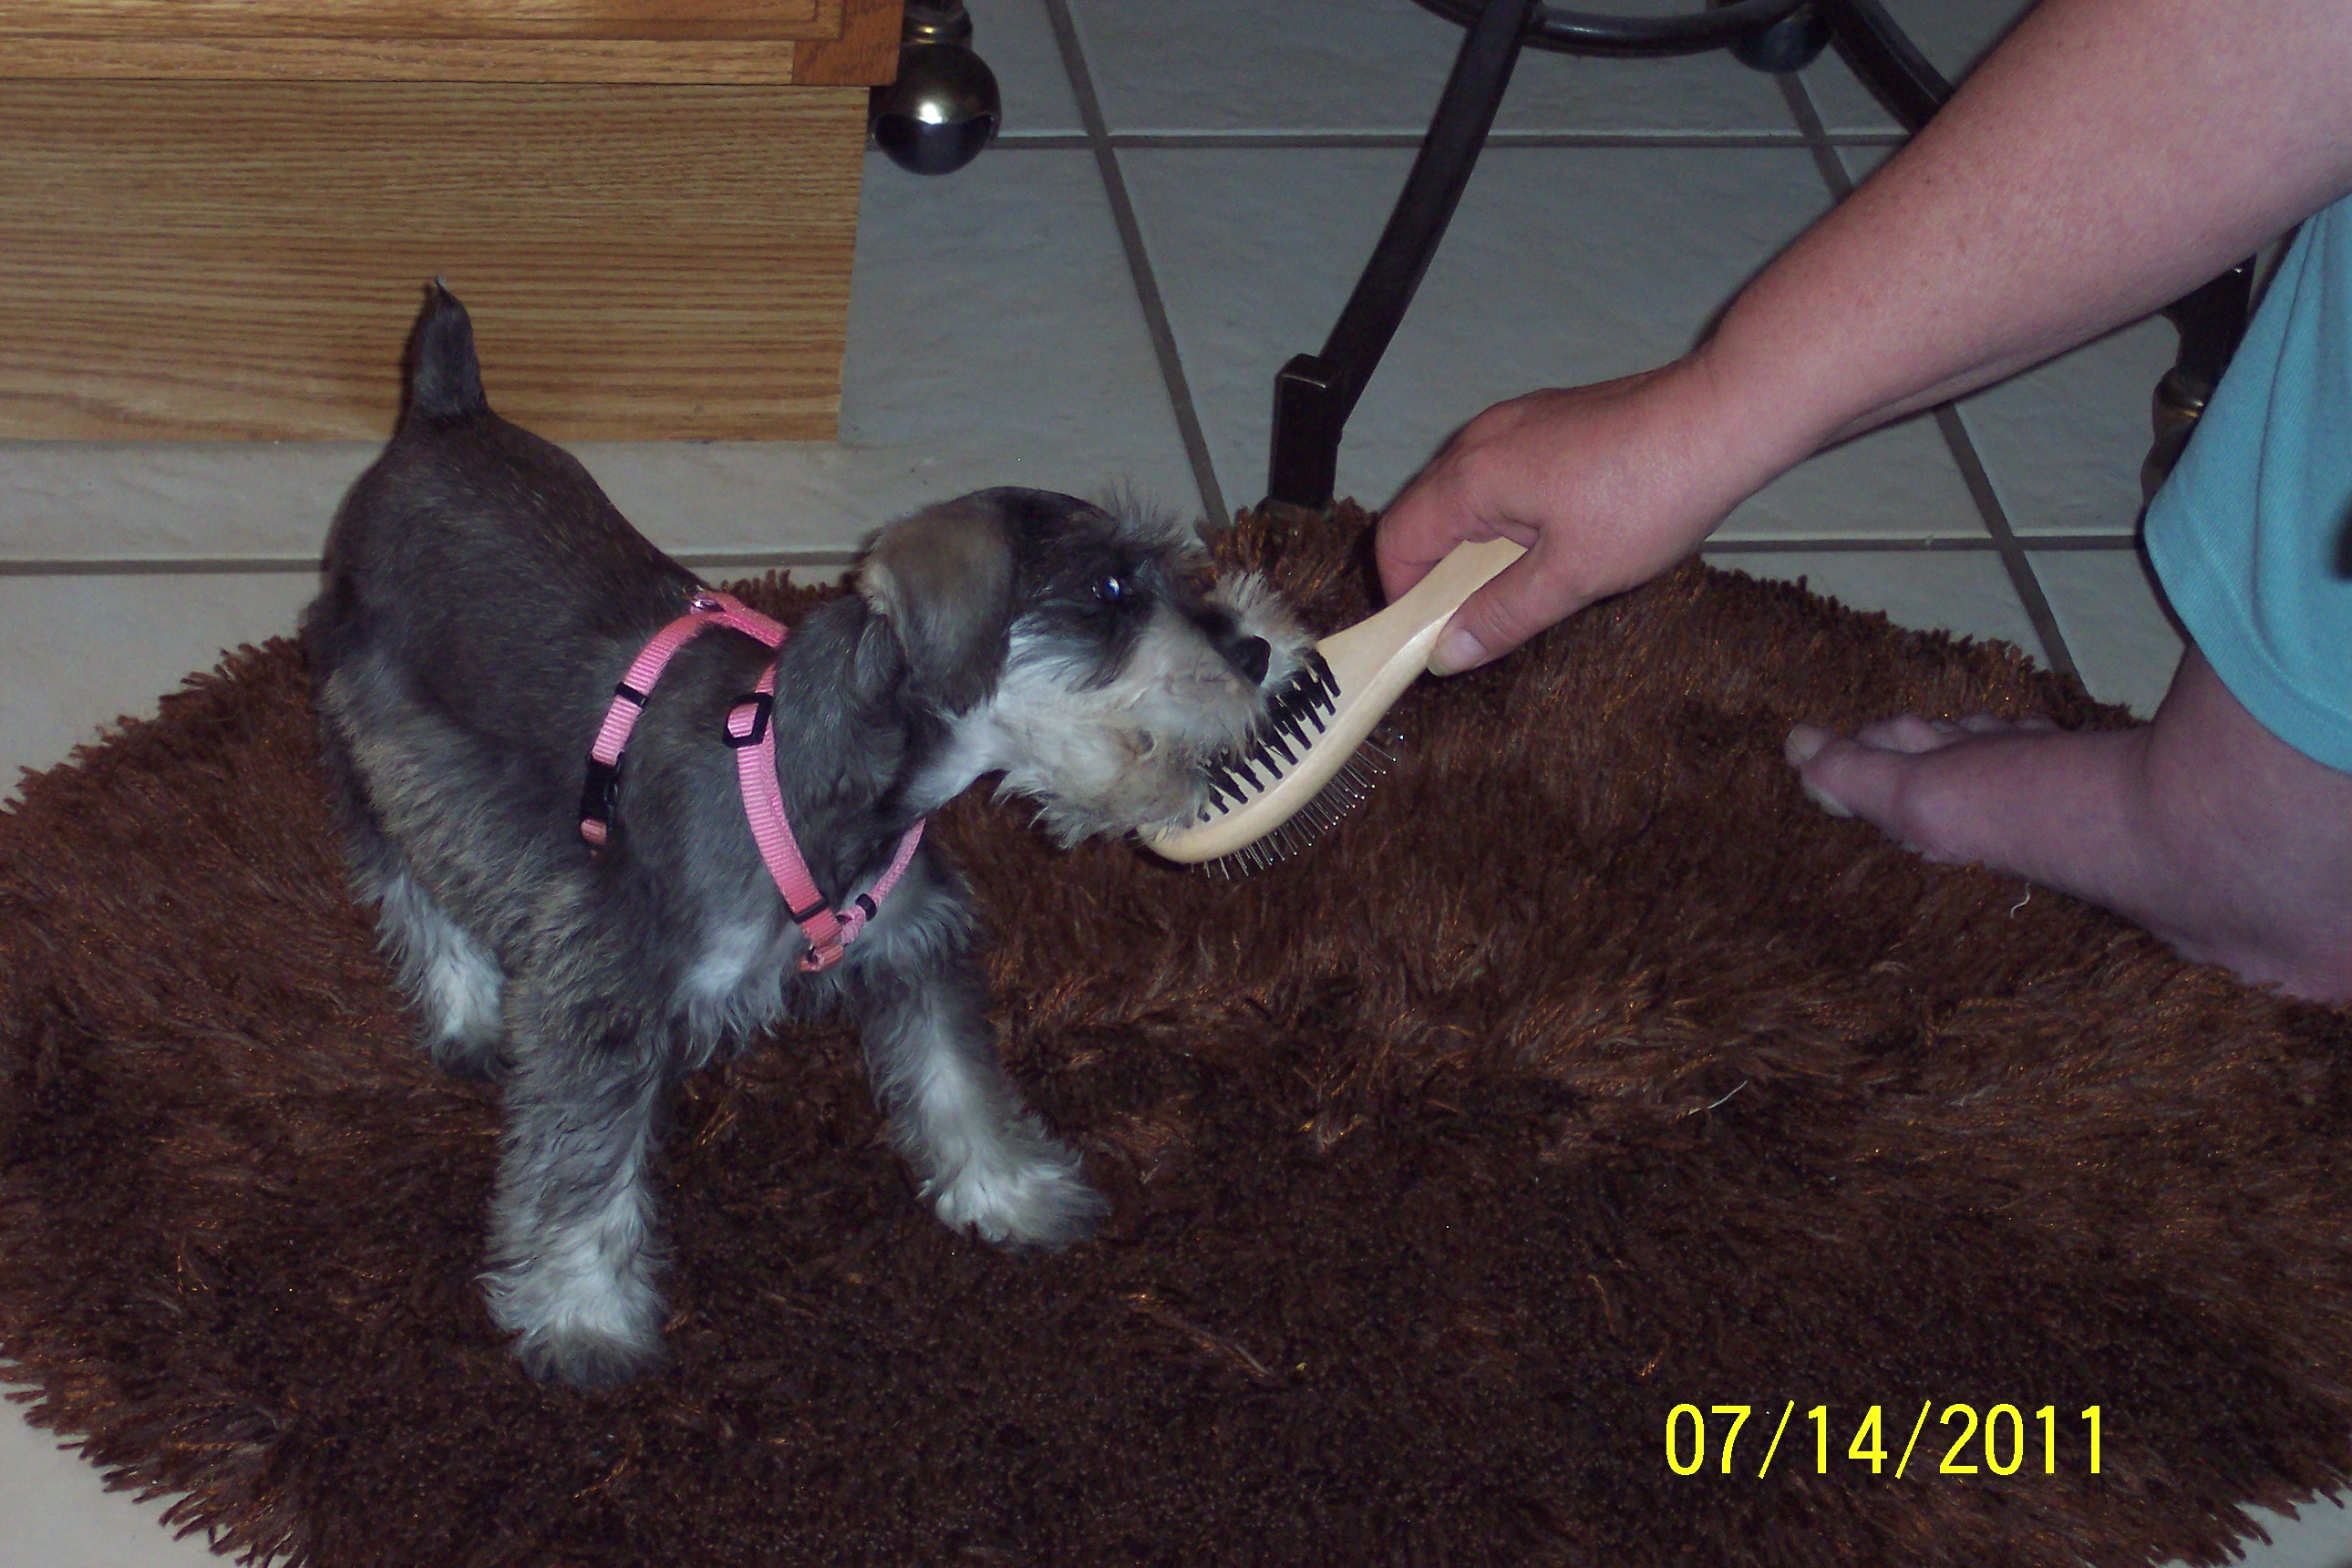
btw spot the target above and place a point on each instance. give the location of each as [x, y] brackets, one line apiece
[482, 600]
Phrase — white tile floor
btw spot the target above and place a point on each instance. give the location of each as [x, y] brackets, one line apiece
[1180, 202]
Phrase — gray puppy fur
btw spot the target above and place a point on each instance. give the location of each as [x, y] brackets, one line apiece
[482, 599]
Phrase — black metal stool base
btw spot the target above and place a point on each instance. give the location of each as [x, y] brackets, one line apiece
[1315, 393]
[1788, 44]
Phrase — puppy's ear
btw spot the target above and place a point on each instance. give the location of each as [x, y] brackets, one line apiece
[943, 582]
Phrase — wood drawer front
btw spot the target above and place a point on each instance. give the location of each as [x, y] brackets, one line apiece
[424, 18]
[739, 42]
[199, 260]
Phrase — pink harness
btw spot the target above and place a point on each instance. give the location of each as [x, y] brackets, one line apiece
[750, 732]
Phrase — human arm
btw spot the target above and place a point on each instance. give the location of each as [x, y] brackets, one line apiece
[2110, 155]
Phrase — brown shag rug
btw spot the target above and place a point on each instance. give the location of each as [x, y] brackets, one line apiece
[1587, 1073]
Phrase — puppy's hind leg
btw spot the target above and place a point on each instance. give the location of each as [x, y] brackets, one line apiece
[985, 1161]
[574, 1250]
[448, 975]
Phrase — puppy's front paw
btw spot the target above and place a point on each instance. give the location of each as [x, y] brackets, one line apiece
[589, 1332]
[587, 1359]
[1026, 1192]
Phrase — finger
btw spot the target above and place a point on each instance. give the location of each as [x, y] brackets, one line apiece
[1523, 599]
[1414, 535]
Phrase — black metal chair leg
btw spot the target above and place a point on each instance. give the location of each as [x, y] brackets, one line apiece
[2211, 318]
[1315, 393]
[1888, 63]
[1791, 44]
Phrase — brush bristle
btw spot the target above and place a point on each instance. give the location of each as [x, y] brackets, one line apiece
[1299, 831]
[1271, 801]
[1303, 699]
[1308, 763]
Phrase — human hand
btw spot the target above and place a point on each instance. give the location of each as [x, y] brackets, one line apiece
[1606, 486]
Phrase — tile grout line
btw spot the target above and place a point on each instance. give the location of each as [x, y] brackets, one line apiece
[1808, 129]
[1931, 544]
[1215, 140]
[1138, 263]
[1411, 139]
[1948, 424]
[164, 566]
[2021, 577]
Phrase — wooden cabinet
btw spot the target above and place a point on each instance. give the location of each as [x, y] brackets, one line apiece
[216, 216]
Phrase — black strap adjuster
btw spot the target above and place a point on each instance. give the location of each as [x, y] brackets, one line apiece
[763, 707]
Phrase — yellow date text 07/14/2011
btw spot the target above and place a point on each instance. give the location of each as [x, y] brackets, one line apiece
[2002, 1443]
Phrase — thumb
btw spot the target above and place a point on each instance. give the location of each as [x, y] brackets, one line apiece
[1519, 603]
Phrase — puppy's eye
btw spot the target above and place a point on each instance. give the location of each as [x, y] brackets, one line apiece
[1113, 589]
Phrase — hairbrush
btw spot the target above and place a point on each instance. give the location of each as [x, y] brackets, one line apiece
[1320, 748]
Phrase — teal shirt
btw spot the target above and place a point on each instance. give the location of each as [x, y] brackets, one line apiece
[2252, 536]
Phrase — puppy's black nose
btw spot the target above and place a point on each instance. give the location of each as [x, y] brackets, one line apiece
[1249, 656]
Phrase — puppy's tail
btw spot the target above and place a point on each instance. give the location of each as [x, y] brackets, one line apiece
[445, 379]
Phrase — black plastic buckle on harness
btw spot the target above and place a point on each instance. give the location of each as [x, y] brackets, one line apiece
[596, 795]
[763, 706]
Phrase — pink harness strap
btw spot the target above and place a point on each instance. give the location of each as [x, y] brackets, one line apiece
[752, 733]
[705, 610]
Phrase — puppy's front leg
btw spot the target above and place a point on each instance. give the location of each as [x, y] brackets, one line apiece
[985, 1161]
[572, 1245]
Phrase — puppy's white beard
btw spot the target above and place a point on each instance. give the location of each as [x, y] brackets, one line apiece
[1096, 763]
[1125, 754]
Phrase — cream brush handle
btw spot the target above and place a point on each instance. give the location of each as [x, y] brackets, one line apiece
[1371, 663]
[1382, 655]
